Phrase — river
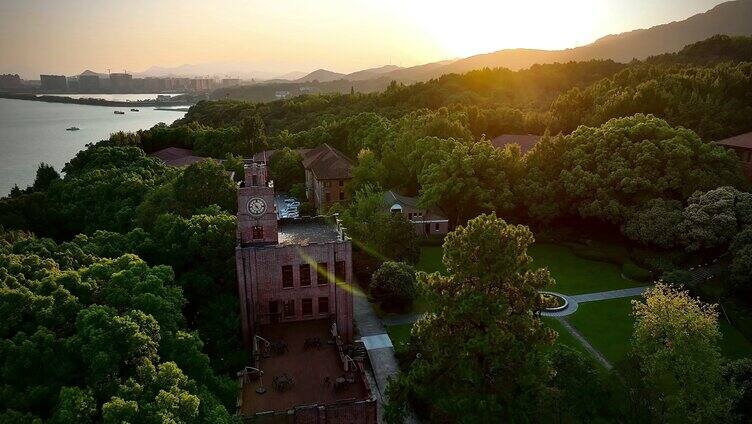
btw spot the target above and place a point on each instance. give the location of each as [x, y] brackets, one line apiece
[32, 132]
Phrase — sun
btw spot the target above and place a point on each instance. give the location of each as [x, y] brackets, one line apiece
[471, 27]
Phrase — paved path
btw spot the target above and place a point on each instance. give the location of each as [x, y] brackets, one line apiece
[606, 295]
[379, 347]
[585, 343]
[573, 301]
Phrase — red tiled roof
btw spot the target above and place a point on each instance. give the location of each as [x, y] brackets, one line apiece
[172, 153]
[176, 156]
[525, 141]
[742, 140]
[327, 163]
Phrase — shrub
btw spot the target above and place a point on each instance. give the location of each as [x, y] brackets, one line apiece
[634, 272]
[307, 209]
[393, 286]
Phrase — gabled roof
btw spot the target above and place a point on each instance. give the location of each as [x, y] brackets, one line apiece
[391, 198]
[176, 156]
[525, 141]
[172, 153]
[327, 163]
[742, 140]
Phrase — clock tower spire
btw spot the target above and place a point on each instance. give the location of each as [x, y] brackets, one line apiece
[257, 217]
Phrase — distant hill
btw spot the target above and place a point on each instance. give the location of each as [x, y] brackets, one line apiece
[321, 75]
[731, 18]
[92, 73]
[371, 73]
[719, 48]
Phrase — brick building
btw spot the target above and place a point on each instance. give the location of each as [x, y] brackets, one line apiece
[742, 145]
[426, 221]
[327, 172]
[295, 286]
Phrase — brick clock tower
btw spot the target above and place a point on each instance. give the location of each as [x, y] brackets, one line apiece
[257, 217]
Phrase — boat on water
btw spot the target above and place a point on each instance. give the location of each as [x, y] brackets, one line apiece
[72, 129]
[119, 112]
[134, 110]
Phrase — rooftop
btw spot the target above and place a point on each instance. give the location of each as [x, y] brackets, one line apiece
[302, 231]
[742, 140]
[307, 366]
[525, 141]
[391, 198]
[327, 163]
[176, 156]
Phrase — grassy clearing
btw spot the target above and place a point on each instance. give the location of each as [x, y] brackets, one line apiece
[399, 334]
[430, 259]
[608, 326]
[575, 275]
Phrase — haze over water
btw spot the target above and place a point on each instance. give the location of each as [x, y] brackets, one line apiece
[32, 132]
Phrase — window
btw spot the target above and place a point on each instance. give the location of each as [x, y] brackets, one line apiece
[410, 215]
[341, 183]
[339, 270]
[328, 197]
[327, 184]
[322, 277]
[436, 226]
[341, 195]
[323, 305]
[257, 232]
[254, 180]
[307, 306]
[287, 276]
[305, 275]
[289, 308]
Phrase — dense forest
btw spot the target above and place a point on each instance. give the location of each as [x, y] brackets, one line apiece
[118, 281]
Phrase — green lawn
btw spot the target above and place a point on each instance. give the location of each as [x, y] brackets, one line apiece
[575, 275]
[399, 334]
[430, 259]
[565, 337]
[607, 325]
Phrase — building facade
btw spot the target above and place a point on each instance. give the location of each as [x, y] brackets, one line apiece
[327, 172]
[427, 222]
[292, 269]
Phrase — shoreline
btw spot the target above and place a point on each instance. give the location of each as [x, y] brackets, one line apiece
[99, 102]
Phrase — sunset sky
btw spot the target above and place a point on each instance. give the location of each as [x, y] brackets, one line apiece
[68, 36]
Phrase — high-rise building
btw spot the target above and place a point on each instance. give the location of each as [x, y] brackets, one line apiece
[88, 83]
[120, 82]
[54, 82]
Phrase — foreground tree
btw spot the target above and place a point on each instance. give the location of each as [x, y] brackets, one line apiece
[393, 285]
[286, 169]
[482, 351]
[675, 343]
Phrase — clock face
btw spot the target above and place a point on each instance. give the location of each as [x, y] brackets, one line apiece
[256, 206]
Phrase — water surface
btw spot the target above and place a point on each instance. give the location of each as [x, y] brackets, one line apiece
[32, 132]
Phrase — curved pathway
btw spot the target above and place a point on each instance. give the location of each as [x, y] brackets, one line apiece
[575, 300]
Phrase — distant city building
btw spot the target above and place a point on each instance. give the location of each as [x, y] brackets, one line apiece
[88, 83]
[327, 171]
[230, 82]
[120, 82]
[73, 84]
[742, 145]
[525, 141]
[282, 94]
[10, 82]
[426, 221]
[54, 82]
